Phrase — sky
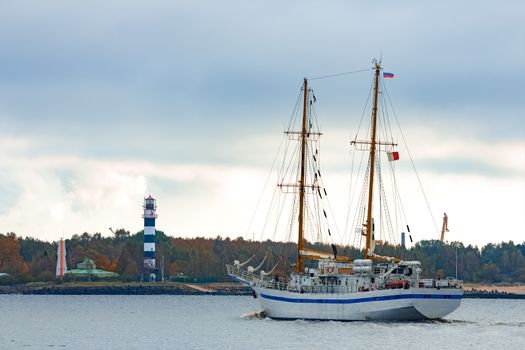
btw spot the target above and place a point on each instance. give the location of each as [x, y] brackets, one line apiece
[105, 102]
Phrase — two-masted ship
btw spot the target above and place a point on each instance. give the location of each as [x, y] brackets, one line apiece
[326, 286]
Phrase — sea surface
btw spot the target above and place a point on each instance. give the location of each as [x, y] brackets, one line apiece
[233, 322]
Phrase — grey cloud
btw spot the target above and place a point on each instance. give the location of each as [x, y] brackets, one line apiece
[100, 77]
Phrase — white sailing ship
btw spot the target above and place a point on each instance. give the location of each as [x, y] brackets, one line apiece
[326, 286]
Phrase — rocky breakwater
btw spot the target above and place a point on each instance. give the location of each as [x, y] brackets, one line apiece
[490, 294]
[127, 289]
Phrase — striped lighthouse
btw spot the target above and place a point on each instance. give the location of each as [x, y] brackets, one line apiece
[61, 259]
[150, 208]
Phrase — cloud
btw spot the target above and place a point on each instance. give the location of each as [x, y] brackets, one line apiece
[459, 152]
[102, 103]
[56, 195]
[480, 209]
[62, 195]
[174, 60]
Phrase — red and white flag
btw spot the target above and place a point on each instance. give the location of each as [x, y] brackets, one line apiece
[392, 156]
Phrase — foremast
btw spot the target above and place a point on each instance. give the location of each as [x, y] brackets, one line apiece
[299, 267]
[302, 252]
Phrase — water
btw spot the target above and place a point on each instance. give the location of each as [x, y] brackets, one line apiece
[232, 322]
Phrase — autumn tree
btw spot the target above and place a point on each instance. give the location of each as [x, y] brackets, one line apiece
[11, 261]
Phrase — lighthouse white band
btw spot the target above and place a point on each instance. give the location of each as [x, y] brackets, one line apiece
[149, 247]
[149, 263]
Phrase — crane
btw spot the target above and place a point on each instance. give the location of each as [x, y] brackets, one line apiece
[445, 227]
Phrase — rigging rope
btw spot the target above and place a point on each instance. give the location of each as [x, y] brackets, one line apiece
[262, 262]
[247, 261]
[264, 189]
[364, 110]
[411, 160]
[384, 202]
[273, 268]
[340, 74]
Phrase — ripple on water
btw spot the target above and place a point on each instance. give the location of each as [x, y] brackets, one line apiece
[230, 322]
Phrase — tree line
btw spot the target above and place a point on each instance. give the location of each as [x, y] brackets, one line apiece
[29, 259]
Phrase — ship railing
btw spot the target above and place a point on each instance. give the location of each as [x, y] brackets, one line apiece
[324, 289]
[444, 283]
[241, 275]
[272, 284]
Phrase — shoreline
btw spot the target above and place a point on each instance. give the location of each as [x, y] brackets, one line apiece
[514, 288]
[132, 288]
[178, 288]
[490, 295]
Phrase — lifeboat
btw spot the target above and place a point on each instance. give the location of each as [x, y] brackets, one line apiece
[397, 284]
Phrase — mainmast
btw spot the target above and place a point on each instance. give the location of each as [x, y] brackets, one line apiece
[299, 267]
[369, 220]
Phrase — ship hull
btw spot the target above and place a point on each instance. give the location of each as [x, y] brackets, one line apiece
[390, 304]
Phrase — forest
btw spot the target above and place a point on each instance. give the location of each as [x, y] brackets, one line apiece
[203, 259]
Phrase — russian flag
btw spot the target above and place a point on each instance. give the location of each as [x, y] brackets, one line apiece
[388, 75]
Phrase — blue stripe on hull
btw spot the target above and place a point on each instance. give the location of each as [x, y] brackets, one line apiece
[361, 300]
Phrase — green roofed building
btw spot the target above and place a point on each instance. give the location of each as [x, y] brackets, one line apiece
[87, 268]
